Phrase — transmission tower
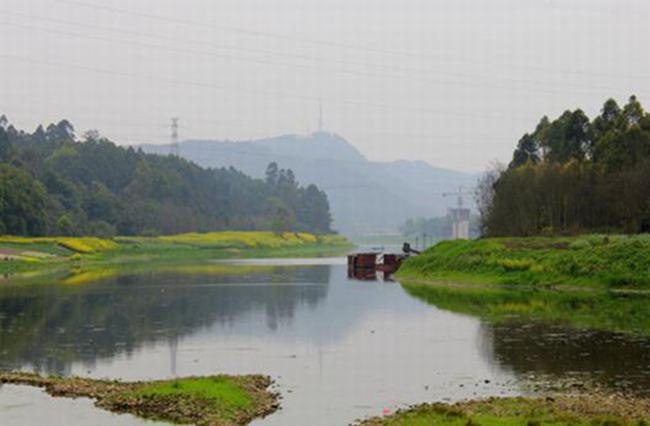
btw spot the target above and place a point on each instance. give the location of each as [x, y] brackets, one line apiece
[174, 147]
[320, 115]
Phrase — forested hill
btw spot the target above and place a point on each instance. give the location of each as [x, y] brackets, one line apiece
[366, 197]
[575, 174]
[53, 184]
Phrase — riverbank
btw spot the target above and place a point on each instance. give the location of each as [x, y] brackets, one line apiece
[211, 400]
[557, 410]
[595, 261]
[19, 255]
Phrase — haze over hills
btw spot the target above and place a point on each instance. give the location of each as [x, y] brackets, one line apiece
[366, 197]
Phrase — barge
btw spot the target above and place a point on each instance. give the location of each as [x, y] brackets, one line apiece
[365, 265]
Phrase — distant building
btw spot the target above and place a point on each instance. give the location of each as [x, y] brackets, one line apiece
[460, 223]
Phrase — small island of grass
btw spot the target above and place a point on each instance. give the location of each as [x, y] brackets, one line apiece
[212, 400]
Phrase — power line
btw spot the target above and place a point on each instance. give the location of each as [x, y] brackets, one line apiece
[320, 42]
[266, 62]
[510, 86]
[208, 43]
[183, 51]
[267, 93]
[255, 33]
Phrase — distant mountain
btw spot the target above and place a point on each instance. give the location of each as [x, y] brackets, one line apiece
[365, 197]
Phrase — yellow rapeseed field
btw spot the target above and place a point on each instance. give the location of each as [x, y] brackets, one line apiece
[225, 240]
[87, 244]
[80, 245]
[252, 239]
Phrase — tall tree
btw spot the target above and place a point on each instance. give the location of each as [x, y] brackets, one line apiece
[632, 113]
[272, 174]
[527, 150]
[578, 136]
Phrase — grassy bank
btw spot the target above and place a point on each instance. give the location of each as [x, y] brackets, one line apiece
[557, 411]
[594, 260]
[214, 400]
[78, 255]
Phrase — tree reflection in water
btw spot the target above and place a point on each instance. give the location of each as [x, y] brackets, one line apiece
[49, 326]
[603, 336]
[617, 361]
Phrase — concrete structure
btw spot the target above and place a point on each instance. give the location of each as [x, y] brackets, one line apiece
[460, 223]
[459, 216]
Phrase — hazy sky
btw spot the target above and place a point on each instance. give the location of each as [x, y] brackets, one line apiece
[454, 83]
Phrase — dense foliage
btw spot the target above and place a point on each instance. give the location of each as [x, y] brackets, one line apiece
[574, 175]
[53, 184]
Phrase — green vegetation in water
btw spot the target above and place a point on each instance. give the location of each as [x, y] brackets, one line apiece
[593, 260]
[77, 256]
[597, 310]
[558, 411]
[214, 400]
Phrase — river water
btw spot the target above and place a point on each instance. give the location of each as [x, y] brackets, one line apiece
[339, 349]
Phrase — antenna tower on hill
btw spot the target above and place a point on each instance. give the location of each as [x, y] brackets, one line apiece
[320, 115]
[174, 147]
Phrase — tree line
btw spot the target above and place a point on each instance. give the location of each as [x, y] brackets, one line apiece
[54, 184]
[572, 175]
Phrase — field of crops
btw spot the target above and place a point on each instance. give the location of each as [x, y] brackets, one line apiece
[240, 239]
[83, 245]
[253, 239]
[23, 254]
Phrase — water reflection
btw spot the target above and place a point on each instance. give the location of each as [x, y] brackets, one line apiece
[616, 361]
[595, 310]
[340, 348]
[48, 326]
[592, 337]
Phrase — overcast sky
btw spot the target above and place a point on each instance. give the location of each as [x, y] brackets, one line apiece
[454, 83]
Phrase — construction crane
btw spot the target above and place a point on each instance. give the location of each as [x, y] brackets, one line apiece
[461, 193]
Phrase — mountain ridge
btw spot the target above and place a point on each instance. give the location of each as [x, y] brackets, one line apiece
[367, 197]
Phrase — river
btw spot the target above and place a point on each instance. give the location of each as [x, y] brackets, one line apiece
[339, 349]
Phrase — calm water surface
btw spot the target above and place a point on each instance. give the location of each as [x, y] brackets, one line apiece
[339, 349]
